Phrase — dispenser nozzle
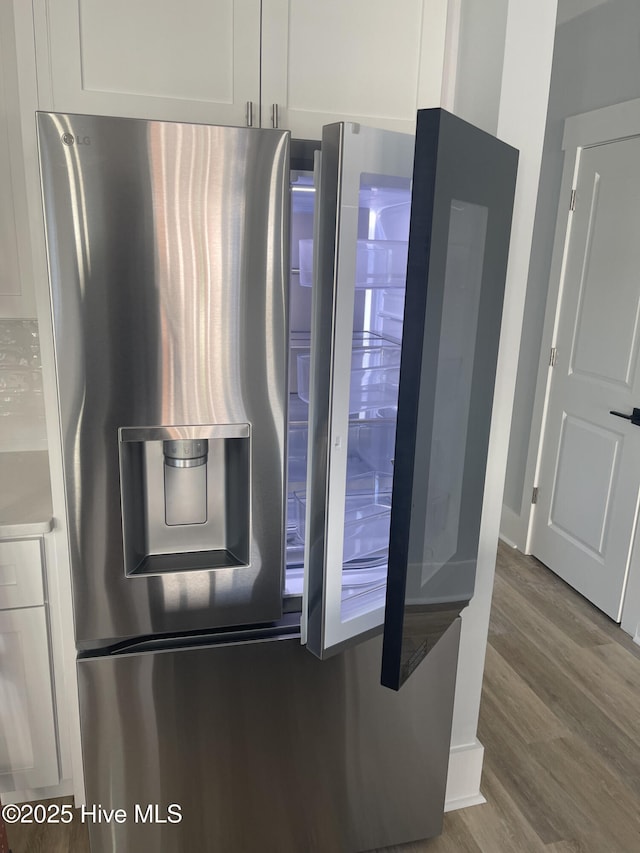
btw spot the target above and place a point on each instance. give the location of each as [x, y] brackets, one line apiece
[186, 452]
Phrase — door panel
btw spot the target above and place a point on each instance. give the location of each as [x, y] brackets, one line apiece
[585, 526]
[587, 508]
[606, 331]
[462, 202]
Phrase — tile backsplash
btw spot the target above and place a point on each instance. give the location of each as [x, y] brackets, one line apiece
[21, 401]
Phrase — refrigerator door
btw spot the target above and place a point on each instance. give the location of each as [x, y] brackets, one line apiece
[409, 525]
[462, 204]
[168, 250]
[351, 380]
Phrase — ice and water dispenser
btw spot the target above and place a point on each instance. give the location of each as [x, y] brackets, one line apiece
[185, 497]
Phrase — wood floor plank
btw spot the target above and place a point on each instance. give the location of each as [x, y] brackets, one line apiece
[573, 707]
[49, 837]
[497, 624]
[561, 604]
[618, 699]
[616, 658]
[499, 825]
[549, 596]
[455, 838]
[606, 810]
[546, 807]
[491, 831]
[513, 703]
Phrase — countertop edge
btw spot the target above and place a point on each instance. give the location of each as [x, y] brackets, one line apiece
[22, 530]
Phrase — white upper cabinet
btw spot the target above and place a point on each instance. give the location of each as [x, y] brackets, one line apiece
[298, 63]
[193, 60]
[367, 61]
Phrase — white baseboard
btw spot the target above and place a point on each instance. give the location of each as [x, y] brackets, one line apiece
[62, 789]
[463, 780]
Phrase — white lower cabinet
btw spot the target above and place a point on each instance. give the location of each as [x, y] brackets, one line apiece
[28, 740]
[28, 747]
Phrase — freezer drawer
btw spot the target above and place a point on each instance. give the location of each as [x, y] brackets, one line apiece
[266, 748]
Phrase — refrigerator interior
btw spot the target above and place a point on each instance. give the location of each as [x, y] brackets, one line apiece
[380, 277]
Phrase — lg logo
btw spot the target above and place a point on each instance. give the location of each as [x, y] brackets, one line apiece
[70, 139]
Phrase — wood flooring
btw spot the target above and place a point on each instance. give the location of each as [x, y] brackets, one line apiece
[560, 723]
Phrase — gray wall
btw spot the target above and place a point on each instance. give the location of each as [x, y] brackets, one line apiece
[596, 63]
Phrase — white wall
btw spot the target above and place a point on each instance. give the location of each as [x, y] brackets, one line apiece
[480, 52]
[596, 63]
[513, 104]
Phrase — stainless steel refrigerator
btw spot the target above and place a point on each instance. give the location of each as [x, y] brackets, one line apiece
[275, 366]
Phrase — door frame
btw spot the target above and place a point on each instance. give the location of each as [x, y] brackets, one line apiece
[597, 127]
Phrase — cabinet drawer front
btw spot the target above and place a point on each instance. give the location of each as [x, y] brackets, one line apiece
[28, 748]
[21, 574]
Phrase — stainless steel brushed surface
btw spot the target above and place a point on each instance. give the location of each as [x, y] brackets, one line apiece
[168, 251]
[266, 748]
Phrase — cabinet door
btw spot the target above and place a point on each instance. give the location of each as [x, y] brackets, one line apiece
[20, 574]
[28, 752]
[197, 60]
[359, 61]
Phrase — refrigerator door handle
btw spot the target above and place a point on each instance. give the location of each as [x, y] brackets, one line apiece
[317, 183]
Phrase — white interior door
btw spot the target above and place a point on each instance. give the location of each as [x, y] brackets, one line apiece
[589, 477]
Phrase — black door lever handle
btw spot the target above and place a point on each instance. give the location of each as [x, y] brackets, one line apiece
[634, 417]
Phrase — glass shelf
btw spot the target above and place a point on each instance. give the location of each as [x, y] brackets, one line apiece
[379, 263]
